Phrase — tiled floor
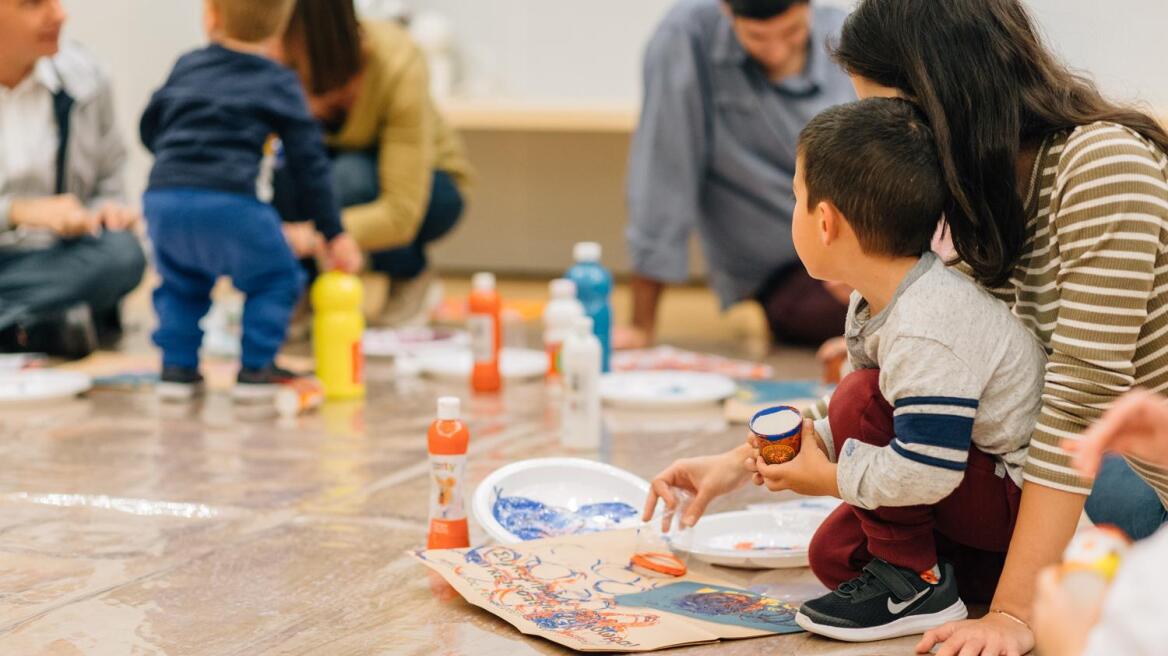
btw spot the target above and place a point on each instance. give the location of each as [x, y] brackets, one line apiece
[127, 527]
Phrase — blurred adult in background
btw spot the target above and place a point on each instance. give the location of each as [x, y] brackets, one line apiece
[400, 171]
[728, 85]
[68, 254]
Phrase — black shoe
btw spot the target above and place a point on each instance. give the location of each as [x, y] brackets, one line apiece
[179, 384]
[68, 334]
[884, 602]
[261, 385]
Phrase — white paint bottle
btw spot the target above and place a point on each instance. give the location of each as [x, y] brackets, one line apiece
[581, 422]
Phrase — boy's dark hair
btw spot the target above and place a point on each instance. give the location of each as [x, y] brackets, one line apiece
[876, 160]
[761, 9]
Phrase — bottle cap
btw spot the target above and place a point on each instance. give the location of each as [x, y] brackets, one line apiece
[563, 288]
[449, 408]
[483, 281]
[587, 251]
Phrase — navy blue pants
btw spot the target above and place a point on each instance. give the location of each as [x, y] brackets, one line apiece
[356, 182]
[199, 235]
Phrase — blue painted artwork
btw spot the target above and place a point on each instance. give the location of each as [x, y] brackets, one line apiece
[528, 519]
[713, 603]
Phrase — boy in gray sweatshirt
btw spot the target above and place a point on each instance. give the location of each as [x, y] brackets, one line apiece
[926, 439]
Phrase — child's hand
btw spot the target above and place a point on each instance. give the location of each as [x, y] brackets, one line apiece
[302, 238]
[706, 478]
[1061, 626]
[344, 254]
[810, 473]
[1137, 424]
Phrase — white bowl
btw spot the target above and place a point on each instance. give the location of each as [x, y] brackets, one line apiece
[456, 364]
[563, 486]
[772, 538]
[33, 385]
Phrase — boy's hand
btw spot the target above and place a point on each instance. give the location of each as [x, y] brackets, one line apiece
[303, 239]
[810, 473]
[344, 254]
[1061, 626]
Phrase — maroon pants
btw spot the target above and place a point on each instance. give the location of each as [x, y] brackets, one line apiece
[800, 310]
[970, 528]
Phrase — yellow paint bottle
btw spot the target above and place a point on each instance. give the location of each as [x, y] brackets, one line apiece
[337, 329]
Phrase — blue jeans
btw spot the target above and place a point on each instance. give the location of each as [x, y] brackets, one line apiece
[199, 235]
[97, 271]
[356, 182]
[1122, 498]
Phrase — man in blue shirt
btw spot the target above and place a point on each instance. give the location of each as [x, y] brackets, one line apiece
[728, 85]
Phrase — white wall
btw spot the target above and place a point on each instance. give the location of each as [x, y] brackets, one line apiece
[567, 50]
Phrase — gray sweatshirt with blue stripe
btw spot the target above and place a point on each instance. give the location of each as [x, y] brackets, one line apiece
[959, 368]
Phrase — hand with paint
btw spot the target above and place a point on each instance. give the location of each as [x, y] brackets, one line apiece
[706, 478]
[810, 473]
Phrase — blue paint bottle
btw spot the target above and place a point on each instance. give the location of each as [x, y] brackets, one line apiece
[594, 289]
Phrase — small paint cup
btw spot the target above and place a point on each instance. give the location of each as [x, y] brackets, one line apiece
[781, 429]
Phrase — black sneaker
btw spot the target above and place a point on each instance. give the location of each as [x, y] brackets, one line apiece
[179, 384]
[884, 602]
[261, 385]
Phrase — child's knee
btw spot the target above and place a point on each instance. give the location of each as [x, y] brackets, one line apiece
[859, 410]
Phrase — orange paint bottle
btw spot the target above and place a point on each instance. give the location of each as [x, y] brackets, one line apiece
[447, 442]
[485, 335]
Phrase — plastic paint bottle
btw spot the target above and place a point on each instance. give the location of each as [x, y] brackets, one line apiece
[581, 422]
[447, 442]
[337, 329]
[1090, 563]
[485, 334]
[594, 289]
[561, 312]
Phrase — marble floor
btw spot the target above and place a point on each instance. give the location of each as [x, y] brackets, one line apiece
[132, 527]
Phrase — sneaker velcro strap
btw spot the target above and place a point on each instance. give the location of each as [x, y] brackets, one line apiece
[893, 578]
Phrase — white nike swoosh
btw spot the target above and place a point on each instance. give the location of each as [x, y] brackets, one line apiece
[897, 609]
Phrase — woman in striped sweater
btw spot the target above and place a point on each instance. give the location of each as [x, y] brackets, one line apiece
[1060, 206]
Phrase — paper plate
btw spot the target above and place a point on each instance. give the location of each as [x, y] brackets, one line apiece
[664, 389]
[390, 342]
[776, 536]
[455, 364]
[41, 385]
[546, 497]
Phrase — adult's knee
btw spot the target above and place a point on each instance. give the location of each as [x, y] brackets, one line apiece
[123, 262]
[355, 179]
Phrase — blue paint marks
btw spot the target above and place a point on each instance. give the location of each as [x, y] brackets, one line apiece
[528, 519]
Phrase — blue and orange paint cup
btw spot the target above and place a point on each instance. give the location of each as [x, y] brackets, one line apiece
[781, 430]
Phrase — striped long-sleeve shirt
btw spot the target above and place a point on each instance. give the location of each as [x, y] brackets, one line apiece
[960, 372]
[1092, 285]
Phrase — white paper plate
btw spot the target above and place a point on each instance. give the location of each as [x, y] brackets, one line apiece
[456, 364]
[664, 389]
[568, 491]
[41, 385]
[396, 342]
[775, 537]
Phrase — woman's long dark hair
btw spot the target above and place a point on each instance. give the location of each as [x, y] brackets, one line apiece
[330, 35]
[981, 74]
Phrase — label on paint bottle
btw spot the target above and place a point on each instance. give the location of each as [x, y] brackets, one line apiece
[446, 494]
[482, 337]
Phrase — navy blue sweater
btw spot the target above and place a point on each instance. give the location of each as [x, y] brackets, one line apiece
[208, 126]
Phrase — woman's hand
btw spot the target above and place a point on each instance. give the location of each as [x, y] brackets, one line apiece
[810, 473]
[118, 218]
[344, 254]
[706, 478]
[1136, 424]
[993, 635]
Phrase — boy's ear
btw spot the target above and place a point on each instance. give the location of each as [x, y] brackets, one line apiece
[830, 222]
